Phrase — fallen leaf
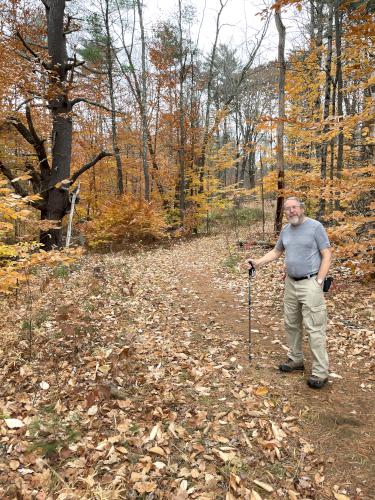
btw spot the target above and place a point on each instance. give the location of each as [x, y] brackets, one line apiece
[340, 496]
[25, 471]
[153, 433]
[146, 487]
[225, 457]
[159, 465]
[261, 391]
[14, 464]
[14, 423]
[93, 410]
[157, 450]
[292, 495]
[264, 486]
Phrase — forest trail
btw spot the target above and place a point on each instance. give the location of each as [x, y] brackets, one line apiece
[147, 355]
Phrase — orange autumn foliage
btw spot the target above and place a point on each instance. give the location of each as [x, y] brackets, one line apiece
[126, 219]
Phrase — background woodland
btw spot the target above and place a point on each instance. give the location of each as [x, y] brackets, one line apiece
[162, 139]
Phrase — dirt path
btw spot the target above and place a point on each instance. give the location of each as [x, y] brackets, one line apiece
[147, 354]
[338, 421]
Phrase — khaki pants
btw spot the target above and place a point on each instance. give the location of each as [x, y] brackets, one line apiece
[304, 306]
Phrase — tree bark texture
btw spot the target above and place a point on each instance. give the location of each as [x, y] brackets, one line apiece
[46, 180]
[116, 149]
[144, 104]
[280, 124]
[339, 88]
[326, 107]
[182, 132]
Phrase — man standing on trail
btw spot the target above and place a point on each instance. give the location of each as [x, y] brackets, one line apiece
[307, 259]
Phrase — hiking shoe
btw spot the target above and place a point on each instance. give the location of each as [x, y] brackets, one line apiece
[316, 382]
[291, 365]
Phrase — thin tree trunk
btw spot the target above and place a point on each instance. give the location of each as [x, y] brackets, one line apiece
[182, 132]
[144, 104]
[202, 157]
[332, 150]
[340, 89]
[116, 149]
[138, 92]
[326, 106]
[317, 25]
[280, 124]
[262, 194]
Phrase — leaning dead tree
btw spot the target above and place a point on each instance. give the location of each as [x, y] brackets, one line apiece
[51, 177]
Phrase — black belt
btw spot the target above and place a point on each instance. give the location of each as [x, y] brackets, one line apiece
[303, 277]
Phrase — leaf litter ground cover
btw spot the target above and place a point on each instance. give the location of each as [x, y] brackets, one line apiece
[139, 384]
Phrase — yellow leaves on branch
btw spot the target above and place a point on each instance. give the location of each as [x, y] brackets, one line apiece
[125, 219]
[16, 262]
[17, 259]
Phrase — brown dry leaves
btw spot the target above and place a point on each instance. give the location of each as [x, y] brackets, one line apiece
[140, 387]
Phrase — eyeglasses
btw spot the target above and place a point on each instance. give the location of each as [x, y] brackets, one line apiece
[289, 209]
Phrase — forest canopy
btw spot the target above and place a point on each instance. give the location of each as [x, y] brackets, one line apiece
[149, 125]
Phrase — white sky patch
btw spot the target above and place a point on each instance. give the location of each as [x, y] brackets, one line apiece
[240, 20]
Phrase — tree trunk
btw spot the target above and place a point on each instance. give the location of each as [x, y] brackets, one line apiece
[340, 88]
[316, 34]
[145, 139]
[201, 160]
[48, 180]
[326, 106]
[57, 198]
[182, 132]
[280, 124]
[116, 149]
[251, 165]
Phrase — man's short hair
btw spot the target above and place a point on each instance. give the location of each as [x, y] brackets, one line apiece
[300, 202]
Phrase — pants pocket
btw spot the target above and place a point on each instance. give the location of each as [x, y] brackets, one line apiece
[318, 315]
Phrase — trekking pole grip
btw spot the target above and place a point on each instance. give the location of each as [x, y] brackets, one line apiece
[252, 271]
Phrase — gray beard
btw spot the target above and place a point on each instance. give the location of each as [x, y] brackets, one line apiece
[298, 222]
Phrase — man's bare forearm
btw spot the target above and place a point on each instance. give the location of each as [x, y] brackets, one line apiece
[324, 265]
[274, 254]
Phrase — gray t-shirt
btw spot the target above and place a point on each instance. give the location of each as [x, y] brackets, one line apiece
[302, 245]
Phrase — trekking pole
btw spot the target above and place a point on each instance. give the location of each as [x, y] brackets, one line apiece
[251, 275]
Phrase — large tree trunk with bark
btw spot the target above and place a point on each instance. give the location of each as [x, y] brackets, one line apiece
[58, 198]
[46, 180]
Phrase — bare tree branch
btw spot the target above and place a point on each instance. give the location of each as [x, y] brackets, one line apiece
[75, 64]
[32, 52]
[30, 135]
[23, 103]
[87, 101]
[10, 176]
[35, 177]
[88, 165]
